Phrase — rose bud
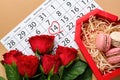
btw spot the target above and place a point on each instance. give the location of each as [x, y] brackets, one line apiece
[49, 62]
[42, 43]
[27, 65]
[66, 54]
[11, 57]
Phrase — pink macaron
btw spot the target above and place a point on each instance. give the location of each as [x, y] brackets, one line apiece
[113, 51]
[103, 42]
[114, 59]
[113, 55]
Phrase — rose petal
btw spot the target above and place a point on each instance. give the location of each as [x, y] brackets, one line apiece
[11, 56]
[27, 65]
[49, 62]
[42, 43]
[66, 54]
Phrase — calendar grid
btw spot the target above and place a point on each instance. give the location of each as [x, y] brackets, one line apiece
[67, 13]
[69, 21]
[56, 18]
[53, 16]
[64, 24]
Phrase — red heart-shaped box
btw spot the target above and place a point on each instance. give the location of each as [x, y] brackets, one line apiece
[87, 56]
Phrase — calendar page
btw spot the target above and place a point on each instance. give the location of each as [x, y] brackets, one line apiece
[53, 17]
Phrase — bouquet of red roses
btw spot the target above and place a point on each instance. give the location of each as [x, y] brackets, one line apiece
[64, 64]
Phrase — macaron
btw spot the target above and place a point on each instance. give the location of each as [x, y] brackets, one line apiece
[103, 42]
[113, 51]
[115, 36]
[114, 59]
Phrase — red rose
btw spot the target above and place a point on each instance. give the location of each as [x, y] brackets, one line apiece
[43, 43]
[27, 65]
[57, 64]
[11, 56]
[66, 54]
[48, 62]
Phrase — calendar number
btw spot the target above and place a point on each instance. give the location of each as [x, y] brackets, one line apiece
[37, 31]
[70, 26]
[26, 40]
[52, 6]
[60, 35]
[54, 28]
[80, 15]
[21, 34]
[74, 10]
[58, 13]
[48, 22]
[64, 19]
[65, 41]
[32, 25]
[42, 16]
[91, 7]
[85, 1]
[69, 4]
[11, 44]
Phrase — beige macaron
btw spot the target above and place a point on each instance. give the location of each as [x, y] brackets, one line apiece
[115, 36]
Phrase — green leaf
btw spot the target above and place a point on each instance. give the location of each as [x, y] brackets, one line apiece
[40, 76]
[12, 72]
[69, 64]
[60, 71]
[37, 53]
[51, 73]
[54, 77]
[1, 78]
[41, 68]
[25, 78]
[73, 71]
[87, 75]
